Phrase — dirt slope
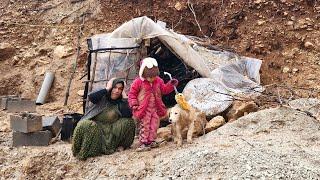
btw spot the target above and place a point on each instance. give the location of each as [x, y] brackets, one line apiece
[273, 143]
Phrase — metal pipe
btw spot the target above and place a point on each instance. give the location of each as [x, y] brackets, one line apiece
[113, 48]
[46, 85]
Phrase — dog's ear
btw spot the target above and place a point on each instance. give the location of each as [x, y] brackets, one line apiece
[168, 112]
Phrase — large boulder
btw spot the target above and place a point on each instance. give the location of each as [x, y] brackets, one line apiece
[207, 95]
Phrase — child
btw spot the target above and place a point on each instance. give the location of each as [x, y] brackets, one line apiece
[145, 100]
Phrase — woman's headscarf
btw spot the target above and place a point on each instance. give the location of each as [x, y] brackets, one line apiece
[114, 83]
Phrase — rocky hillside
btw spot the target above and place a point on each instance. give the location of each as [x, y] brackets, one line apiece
[41, 35]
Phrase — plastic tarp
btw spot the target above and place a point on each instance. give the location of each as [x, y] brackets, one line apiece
[238, 74]
[145, 28]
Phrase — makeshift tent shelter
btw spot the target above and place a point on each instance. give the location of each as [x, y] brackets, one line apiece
[117, 54]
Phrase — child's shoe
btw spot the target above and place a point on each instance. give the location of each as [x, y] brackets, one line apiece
[154, 144]
[143, 148]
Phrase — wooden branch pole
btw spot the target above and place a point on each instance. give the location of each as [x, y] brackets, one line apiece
[75, 63]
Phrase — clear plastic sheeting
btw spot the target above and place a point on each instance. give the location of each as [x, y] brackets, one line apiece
[112, 63]
[207, 95]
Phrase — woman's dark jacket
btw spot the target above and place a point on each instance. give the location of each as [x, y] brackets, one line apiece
[101, 100]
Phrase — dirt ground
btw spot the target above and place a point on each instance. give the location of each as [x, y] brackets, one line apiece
[279, 143]
[284, 34]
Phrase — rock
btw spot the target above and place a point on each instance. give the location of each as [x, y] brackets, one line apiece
[28, 55]
[309, 20]
[6, 51]
[260, 22]
[286, 69]
[41, 61]
[214, 123]
[4, 46]
[290, 23]
[16, 58]
[304, 23]
[165, 133]
[294, 70]
[259, 1]
[4, 126]
[308, 45]
[80, 93]
[178, 6]
[240, 109]
[69, 50]
[310, 29]
[62, 51]
[41, 34]
[42, 72]
[202, 94]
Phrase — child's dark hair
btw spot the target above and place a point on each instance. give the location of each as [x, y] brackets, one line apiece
[152, 72]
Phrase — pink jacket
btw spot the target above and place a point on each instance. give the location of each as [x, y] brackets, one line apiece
[141, 91]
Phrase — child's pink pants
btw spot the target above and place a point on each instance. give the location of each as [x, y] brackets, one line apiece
[149, 124]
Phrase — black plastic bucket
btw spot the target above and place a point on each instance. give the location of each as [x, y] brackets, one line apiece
[69, 122]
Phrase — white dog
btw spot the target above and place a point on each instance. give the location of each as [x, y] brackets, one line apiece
[186, 123]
